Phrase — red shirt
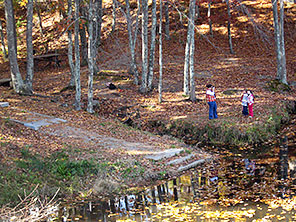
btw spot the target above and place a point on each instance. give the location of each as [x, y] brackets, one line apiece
[210, 95]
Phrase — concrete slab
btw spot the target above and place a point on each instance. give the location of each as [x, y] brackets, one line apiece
[4, 104]
[193, 164]
[164, 154]
[180, 160]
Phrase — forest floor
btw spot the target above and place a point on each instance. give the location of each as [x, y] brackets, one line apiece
[252, 67]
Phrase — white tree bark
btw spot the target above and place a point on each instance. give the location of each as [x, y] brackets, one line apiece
[152, 46]
[29, 41]
[144, 87]
[114, 7]
[91, 57]
[209, 17]
[160, 53]
[167, 21]
[283, 76]
[77, 58]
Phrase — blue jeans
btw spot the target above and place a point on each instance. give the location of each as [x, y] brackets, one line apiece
[245, 110]
[213, 110]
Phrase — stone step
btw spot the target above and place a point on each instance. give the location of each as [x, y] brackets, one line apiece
[164, 154]
[192, 165]
[180, 160]
[4, 104]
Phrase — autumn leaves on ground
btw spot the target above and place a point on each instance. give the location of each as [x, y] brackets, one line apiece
[126, 114]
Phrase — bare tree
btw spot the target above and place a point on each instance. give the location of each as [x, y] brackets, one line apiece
[98, 21]
[228, 28]
[17, 81]
[209, 17]
[29, 41]
[37, 3]
[144, 87]
[132, 39]
[91, 56]
[279, 41]
[77, 58]
[152, 46]
[114, 7]
[70, 47]
[160, 53]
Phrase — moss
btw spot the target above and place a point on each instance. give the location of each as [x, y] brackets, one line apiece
[277, 86]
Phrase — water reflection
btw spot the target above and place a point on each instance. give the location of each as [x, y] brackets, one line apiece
[231, 189]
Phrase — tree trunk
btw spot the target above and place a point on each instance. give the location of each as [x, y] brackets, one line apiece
[167, 21]
[114, 7]
[132, 39]
[187, 52]
[279, 42]
[191, 57]
[160, 53]
[17, 81]
[283, 77]
[228, 28]
[91, 57]
[152, 46]
[39, 16]
[2, 41]
[209, 17]
[29, 40]
[77, 58]
[83, 42]
[144, 88]
[98, 22]
[70, 48]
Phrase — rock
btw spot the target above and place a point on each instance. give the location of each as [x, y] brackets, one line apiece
[180, 160]
[4, 104]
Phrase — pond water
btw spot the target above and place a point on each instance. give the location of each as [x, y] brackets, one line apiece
[245, 184]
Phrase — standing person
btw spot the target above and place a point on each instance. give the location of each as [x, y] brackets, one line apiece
[211, 99]
[244, 100]
[250, 103]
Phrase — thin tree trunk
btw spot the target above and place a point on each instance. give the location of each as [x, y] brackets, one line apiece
[283, 77]
[228, 28]
[191, 57]
[114, 7]
[167, 21]
[209, 17]
[143, 88]
[77, 58]
[187, 52]
[2, 41]
[152, 46]
[29, 40]
[277, 37]
[160, 53]
[98, 19]
[17, 81]
[132, 40]
[84, 47]
[39, 17]
[70, 48]
[91, 57]
[197, 10]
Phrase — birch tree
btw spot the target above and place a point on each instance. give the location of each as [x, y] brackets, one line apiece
[160, 53]
[91, 56]
[98, 21]
[209, 17]
[144, 87]
[77, 58]
[132, 39]
[152, 46]
[279, 40]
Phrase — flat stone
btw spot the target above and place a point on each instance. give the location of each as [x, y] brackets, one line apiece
[191, 165]
[4, 104]
[164, 154]
[180, 160]
[36, 125]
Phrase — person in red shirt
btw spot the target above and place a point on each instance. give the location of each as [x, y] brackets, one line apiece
[250, 103]
[211, 99]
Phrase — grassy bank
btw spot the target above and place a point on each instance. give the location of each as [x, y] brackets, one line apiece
[227, 131]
